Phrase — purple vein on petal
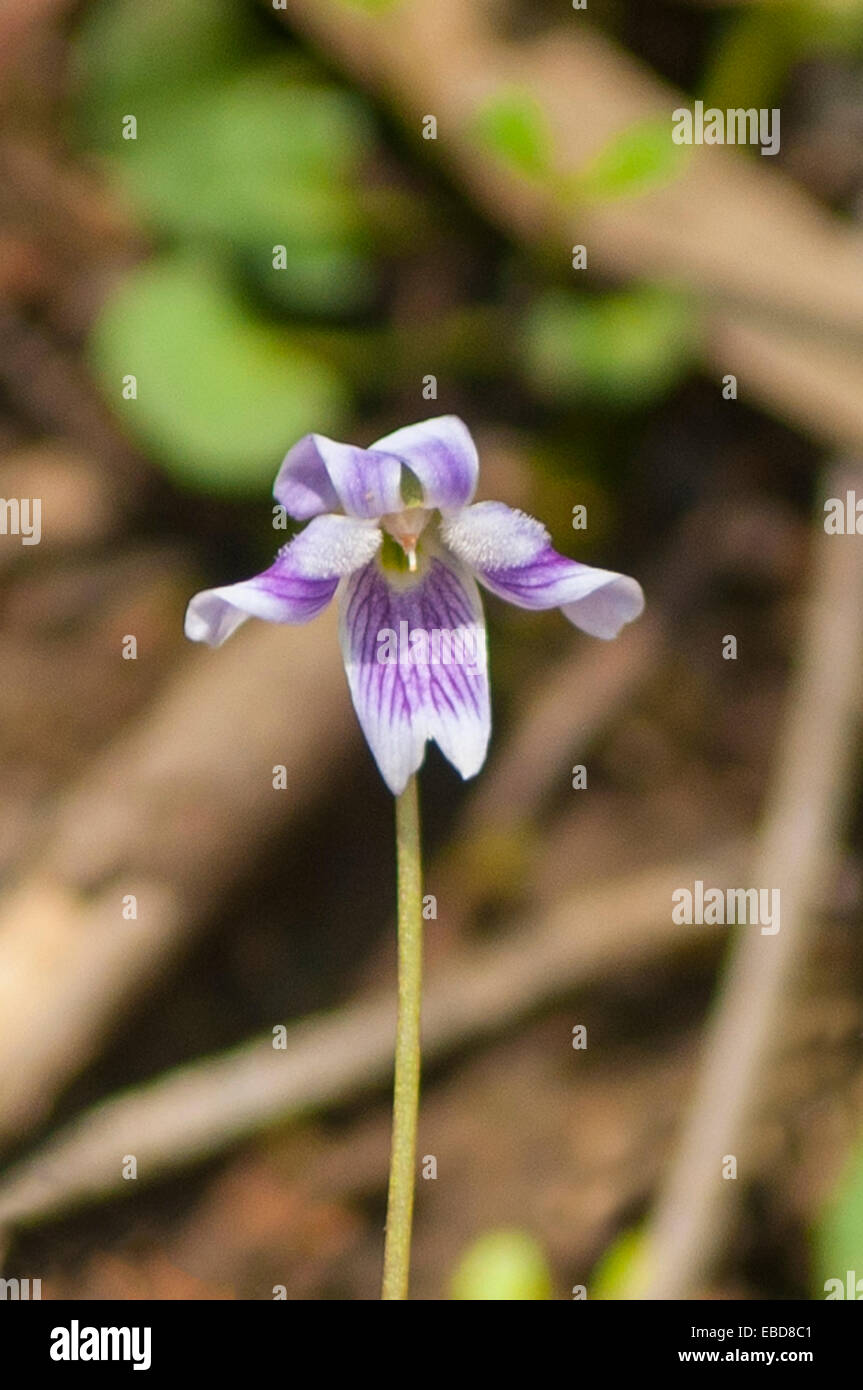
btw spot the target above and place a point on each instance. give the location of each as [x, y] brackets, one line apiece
[402, 704]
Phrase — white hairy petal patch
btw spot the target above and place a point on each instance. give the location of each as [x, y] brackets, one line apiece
[492, 536]
[333, 545]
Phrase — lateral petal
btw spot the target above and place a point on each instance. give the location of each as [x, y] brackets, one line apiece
[511, 554]
[296, 587]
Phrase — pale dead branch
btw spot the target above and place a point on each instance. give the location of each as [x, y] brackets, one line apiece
[167, 813]
[815, 771]
[201, 1108]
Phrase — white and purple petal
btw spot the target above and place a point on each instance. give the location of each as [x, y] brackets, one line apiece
[511, 554]
[442, 455]
[296, 588]
[367, 481]
[405, 688]
[303, 485]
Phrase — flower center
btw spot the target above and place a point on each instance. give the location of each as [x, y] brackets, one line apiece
[406, 527]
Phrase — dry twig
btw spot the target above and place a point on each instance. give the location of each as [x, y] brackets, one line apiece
[202, 1108]
[167, 813]
[814, 774]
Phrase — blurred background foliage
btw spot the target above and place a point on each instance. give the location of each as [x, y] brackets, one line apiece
[241, 150]
[759, 45]
[838, 1234]
[502, 1265]
[245, 146]
[238, 154]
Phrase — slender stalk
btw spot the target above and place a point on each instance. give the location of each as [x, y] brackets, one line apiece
[400, 1198]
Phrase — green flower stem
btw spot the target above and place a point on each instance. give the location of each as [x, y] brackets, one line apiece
[400, 1198]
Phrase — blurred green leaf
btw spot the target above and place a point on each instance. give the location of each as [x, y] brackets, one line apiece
[838, 1236]
[624, 348]
[220, 396]
[758, 46]
[506, 1264]
[837, 26]
[249, 160]
[639, 158]
[257, 161]
[128, 55]
[620, 1270]
[329, 278]
[750, 60]
[512, 127]
[260, 161]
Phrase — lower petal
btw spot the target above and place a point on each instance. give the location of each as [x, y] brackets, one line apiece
[415, 656]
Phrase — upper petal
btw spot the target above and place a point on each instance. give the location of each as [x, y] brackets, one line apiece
[297, 586]
[442, 454]
[512, 556]
[367, 481]
[415, 656]
[303, 485]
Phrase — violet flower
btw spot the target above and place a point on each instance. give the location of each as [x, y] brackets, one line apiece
[395, 527]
